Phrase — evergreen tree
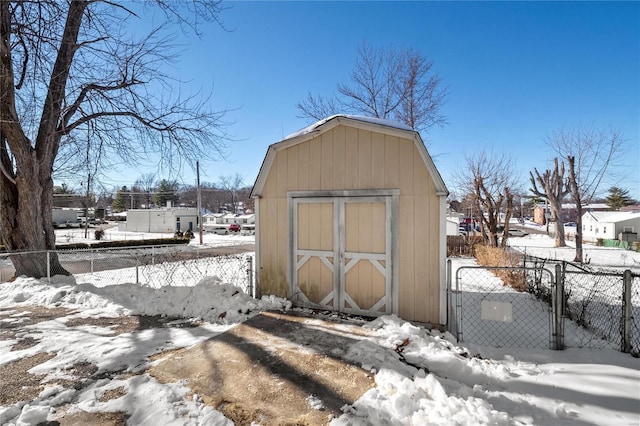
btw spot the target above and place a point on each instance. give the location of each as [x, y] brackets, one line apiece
[166, 191]
[120, 203]
[618, 198]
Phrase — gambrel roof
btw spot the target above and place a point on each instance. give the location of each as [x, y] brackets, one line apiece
[366, 123]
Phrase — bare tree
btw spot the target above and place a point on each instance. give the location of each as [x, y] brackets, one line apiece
[397, 84]
[591, 154]
[144, 187]
[489, 179]
[553, 187]
[69, 69]
[232, 184]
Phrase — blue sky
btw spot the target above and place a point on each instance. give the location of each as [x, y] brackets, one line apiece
[516, 72]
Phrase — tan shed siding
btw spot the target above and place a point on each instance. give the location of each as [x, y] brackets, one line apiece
[304, 162]
[339, 155]
[293, 162]
[377, 161]
[391, 162]
[273, 263]
[365, 171]
[327, 161]
[351, 150]
[348, 158]
[434, 254]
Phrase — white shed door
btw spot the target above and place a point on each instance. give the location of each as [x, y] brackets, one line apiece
[342, 254]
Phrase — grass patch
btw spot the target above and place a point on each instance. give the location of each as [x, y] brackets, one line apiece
[498, 257]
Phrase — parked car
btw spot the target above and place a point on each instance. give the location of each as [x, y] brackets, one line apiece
[462, 231]
[570, 224]
[234, 227]
[517, 233]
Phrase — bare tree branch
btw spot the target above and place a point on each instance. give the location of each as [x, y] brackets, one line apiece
[396, 84]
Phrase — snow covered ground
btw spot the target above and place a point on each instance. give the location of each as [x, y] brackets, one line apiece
[541, 245]
[422, 376]
[209, 239]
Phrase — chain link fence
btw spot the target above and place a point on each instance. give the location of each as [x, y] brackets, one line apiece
[154, 266]
[597, 300]
[489, 313]
[578, 305]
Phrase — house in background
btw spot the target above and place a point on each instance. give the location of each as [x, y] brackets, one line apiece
[453, 226]
[351, 218]
[569, 213]
[623, 226]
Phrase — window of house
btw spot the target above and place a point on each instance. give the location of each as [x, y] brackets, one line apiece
[590, 228]
[604, 229]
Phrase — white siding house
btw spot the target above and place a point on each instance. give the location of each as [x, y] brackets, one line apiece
[165, 220]
[452, 226]
[609, 226]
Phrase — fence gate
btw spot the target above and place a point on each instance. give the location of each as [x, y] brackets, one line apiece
[487, 312]
[341, 253]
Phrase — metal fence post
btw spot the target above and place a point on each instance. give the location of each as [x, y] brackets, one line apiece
[49, 266]
[558, 307]
[250, 275]
[626, 312]
[449, 298]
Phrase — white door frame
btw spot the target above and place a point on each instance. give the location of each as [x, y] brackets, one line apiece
[339, 198]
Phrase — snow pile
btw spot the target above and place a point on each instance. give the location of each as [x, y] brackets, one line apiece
[209, 300]
[422, 378]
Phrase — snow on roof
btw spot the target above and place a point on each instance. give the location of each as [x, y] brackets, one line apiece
[594, 206]
[614, 217]
[380, 121]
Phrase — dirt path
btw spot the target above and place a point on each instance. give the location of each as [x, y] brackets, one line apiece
[273, 369]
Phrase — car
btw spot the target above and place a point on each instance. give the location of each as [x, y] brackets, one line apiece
[234, 227]
[570, 224]
[462, 231]
[517, 233]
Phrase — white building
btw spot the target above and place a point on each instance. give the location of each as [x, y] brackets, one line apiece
[610, 226]
[165, 220]
[61, 215]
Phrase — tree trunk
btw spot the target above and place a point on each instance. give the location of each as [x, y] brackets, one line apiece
[554, 190]
[26, 218]
[507, 217]
[577, 198]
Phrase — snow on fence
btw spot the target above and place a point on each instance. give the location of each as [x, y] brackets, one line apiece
[154, 266]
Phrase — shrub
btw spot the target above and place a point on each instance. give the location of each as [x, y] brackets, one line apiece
[99, 233]
[189, 234]
[178, 234]
[496, 256]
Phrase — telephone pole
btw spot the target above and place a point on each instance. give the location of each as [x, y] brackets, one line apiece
[199, 200]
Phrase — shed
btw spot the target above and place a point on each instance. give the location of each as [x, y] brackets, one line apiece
[350, 217]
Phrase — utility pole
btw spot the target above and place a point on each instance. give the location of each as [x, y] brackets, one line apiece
[86, 208]
[199, 200]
